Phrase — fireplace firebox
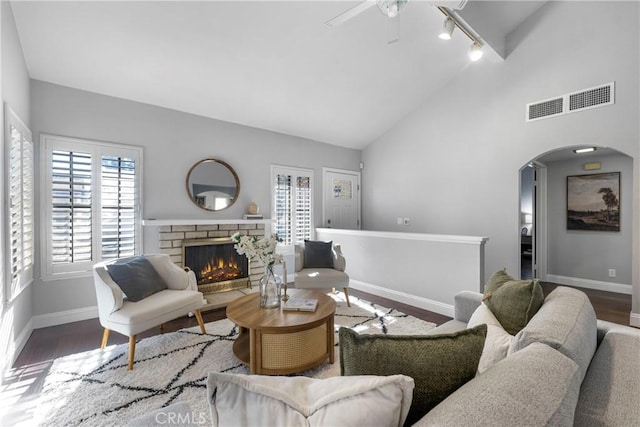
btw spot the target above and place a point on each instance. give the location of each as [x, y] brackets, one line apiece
[217, 265]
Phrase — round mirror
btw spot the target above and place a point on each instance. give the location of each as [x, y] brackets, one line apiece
[213, 185]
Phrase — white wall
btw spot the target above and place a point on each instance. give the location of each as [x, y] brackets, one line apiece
[16, 314]
[15, 77]
[452, 166]
[173, 141]
[413, 268]
[579, 254]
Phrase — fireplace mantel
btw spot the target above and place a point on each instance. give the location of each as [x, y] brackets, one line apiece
[152, 222]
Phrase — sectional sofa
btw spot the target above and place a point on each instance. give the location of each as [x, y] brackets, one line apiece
[564, 368]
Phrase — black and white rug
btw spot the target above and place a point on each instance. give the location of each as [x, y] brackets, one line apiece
[95, 387]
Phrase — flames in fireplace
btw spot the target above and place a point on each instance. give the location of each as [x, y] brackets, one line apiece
[217, 270]
[217, 265]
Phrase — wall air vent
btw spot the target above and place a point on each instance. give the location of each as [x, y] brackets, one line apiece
[590, 98]
[570, 103]
[540, 110]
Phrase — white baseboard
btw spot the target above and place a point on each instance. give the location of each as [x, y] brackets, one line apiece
[634, 319]
[416, 301]
[62, 317]
[589, 284]
[21, 341]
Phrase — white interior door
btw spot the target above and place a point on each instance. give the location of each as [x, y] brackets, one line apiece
[341, 207]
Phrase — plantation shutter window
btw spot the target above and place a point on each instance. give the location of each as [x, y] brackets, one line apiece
[93, 194]
[283, 197]
[303, 208]
[27, 203]
[71, 208]
[292, 204]
[118, 207]
[20, 204]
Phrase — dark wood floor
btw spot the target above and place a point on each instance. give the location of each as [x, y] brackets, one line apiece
[609, 306]
[24, 381]
[57, 341]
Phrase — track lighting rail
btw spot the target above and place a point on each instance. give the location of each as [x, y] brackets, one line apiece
[476, 45]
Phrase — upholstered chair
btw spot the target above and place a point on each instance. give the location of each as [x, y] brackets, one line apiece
[329, 274]
[156, 291]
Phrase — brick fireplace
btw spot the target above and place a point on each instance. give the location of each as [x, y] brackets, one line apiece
[217, 265]
[173, 238]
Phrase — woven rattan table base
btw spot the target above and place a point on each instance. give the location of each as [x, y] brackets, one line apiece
[275, 342]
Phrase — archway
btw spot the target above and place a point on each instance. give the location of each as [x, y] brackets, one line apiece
[590, 258]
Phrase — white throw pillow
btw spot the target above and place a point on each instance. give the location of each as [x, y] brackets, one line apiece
[251, 400]
[496, 343]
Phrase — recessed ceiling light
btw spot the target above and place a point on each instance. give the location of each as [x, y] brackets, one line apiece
[584, 150]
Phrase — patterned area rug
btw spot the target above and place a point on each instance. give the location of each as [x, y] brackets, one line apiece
[95, 387]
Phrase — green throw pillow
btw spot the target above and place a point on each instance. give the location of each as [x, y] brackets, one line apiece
[513, 302]
[439, 364]
[498, 278]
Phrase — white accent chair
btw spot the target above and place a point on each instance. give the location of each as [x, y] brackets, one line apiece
[322, 278]
[130, 318]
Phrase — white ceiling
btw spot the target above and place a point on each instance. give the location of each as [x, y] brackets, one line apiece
[266, 64]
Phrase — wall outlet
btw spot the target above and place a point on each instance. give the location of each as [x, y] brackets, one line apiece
[400, 221]
[406, 221]
[612, 272]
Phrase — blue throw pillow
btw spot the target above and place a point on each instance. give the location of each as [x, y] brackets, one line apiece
[317, 254]
[137, 278]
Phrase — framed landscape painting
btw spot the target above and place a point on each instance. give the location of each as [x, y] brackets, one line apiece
[593, 202]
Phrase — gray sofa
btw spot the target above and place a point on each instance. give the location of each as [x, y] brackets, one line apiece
[564, 368]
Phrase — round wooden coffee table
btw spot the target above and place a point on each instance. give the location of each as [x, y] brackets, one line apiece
[273, 341]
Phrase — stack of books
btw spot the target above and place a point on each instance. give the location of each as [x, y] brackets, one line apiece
[300, 304]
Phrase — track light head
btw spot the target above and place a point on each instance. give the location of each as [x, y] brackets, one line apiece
[450, 23]
[447, 29]
[475, 53]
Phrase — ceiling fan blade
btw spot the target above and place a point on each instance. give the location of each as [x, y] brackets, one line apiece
[393, 29]
[350, 13]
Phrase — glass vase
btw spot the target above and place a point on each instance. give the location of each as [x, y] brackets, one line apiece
[270, 285]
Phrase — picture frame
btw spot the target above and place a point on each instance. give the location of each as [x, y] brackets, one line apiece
[593, 202]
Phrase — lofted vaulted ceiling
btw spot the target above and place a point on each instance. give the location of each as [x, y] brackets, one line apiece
[267, 64]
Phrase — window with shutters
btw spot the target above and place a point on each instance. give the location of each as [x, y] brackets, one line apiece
[20, 214]
[292, 204]
[92, 196]
[118, 207]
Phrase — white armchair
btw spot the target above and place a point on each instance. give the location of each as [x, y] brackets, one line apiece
[119, 314]
[322, 278]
